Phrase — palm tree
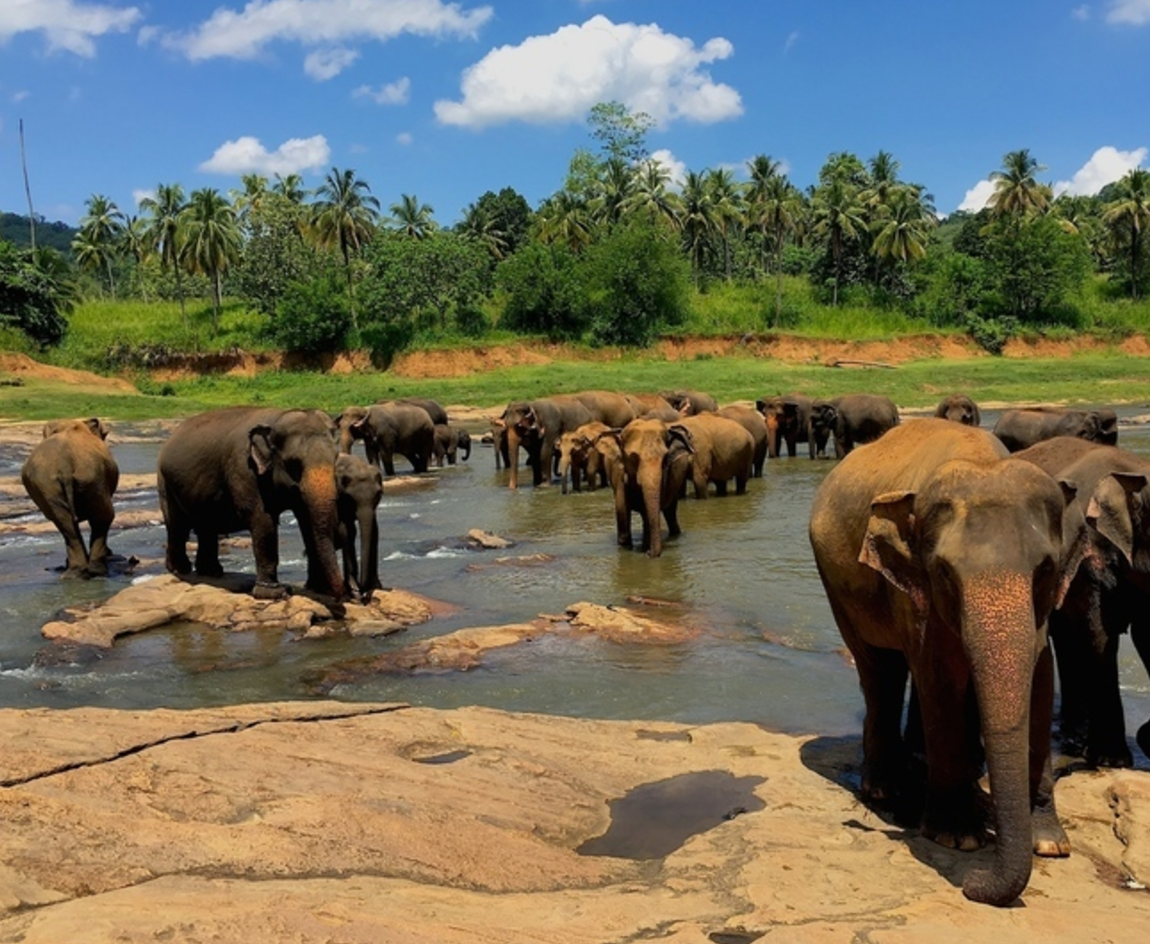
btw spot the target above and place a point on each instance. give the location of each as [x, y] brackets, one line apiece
[346, 214]
[652, 197]
[838, 215]
[780, 206]
[291, 188]
[614, 192]
[564, 218]
[99, 236]
[1129, 215]
[1017, 193]
[255, 188]
[212, 241]
[411, 218]
[902, 229]
[763, 171]
[482, 227]
[727, 205]
[166, 207]
[699, 220]
[136, 238]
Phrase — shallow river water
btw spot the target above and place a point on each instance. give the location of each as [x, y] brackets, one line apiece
[742, 571]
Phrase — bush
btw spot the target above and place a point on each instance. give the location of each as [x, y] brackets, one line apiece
[312, 317]
[544, 292]
[33, 299]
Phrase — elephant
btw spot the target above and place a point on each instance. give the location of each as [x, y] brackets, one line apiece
[854, 418]
[387, 429]
[577, 455]
[71, 476]
[239, 469]
[1108, 596]
[690, 402]
[613, 409]
[538, 424]
[787, 417]
[959, 408]
[652, 406]
[359, 488]
[723, 450]
[448, 441]
[647, 465]
[432, 407]
[942, 554]
[752, 421]
[1019, 429]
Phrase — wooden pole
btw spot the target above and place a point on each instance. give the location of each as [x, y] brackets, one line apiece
[27, 189]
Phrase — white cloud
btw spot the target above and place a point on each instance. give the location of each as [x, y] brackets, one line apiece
[1107, 165]
[324, 64]
[1081, 13]
[1135, 12]
[977, 196]
[559, 77]
[139, 195]
[247, 155]
[68, 25]
[393, 93]
[405, 138]
[675, 167]
[18, 97]
[244, 34]
[790, 43]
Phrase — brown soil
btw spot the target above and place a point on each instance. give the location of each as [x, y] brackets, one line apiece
[21, 366]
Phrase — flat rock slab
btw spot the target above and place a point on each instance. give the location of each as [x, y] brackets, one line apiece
[227, 604]
[321, 821]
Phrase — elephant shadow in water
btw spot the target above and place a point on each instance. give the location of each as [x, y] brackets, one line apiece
[839, 761]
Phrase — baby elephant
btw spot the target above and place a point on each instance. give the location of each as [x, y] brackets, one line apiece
[359, 487]
[71, 476]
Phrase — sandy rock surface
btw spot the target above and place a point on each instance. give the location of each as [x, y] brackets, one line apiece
[329, 822]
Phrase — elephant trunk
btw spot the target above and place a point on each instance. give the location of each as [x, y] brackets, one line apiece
[1001, 640]
[513, 455]
[368, 553]
[772, 436]
[319, 525]
[651, 487]
[465, 445]
[564, 469]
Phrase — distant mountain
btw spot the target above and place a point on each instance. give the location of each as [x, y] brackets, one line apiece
[14, 228]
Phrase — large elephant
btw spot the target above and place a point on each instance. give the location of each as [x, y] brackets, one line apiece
[433, 408]
[1020, 429]
[1109, 595]
[449, 440]
[788, 418]
[940, 553]
[387, 429]
[854, 418]
[647, 465]
[690, 402]
[359, 488]
[239, 469]
[959, 408]
[613, 409]
[723, 450]
[537, 425]
[652, 406]
[71, 476]
[752, 421]
[578, 456]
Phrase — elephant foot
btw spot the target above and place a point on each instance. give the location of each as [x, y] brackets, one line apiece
[1050, 839]
[75, 573]
[96, 569]
[209, 570]
[269, 591]
[956, 821]
[1114, 756]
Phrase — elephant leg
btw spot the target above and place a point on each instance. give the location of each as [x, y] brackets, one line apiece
[740, 484]
[792, 441]
[265, 547]
[721, 488]
[208, 554]
[1106, 741]
[179, 531]
[700, 478]
[671, 513]
[1070, 640]
[622, 519]
[60, 510]
[101, 523]
[1050, 838]
[1140, 634]
[842, 446]
[387, 458]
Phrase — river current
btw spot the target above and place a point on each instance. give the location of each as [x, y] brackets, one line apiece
[743, 571]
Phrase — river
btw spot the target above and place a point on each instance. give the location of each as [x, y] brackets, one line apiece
[768, 651]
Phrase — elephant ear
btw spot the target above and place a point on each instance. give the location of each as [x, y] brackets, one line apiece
[889, 545]
[261, 448]
[1110, 510]
[760, 405]
[97, 428]
[677, 432]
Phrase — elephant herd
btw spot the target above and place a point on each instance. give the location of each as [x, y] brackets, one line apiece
[948, 554]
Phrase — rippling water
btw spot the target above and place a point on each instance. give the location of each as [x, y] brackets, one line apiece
[768, 650]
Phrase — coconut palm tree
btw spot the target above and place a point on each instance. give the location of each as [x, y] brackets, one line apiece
[411, 218]
[699, 220]
[212, 241]
[564, 218]
[838, 212]
[763, 171]
[166, 207]
[652, 197]
[727, 205]
[250, 196]
[482, 227]
[780, 206]
[903, 226]
[345, 215]
[614, 192]
[136, 239]
[1017, 193]
[1128, 217]
[291, 188]
[99, 236]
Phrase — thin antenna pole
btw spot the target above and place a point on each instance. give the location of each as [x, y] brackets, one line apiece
[27, 188]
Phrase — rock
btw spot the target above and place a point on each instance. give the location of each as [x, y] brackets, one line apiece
[1130, 801]
[487, 540]
[321, 821]
[621, 624]
[227, 604]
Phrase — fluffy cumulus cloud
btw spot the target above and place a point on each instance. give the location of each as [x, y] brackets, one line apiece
[1107, 165]
[393, 93]
[977, 196]
[324, 64]
[559, 77]
[68, 25]
[243, 34]
[675, 167]
[1134, 12]
[247, 155]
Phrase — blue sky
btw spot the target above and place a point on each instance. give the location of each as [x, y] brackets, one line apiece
[448, 100]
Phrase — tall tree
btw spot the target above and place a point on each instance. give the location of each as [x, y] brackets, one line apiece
[212, 241]
[763, 171]
[166, 207]
[621, 133]
[291, 188]
[652, 197]
[412, 218]
[780, 207]
[1017, 193]
[727, 206]
[838, 214]
[480, 226]
[700, 221]
[564, 218]
[614, 193]
[346, 215]
[1128, 217]
[903, 226]
[99, 237]
[137, 242]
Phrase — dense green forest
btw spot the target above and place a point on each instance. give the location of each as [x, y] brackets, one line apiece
[618, 255]
[16, 229]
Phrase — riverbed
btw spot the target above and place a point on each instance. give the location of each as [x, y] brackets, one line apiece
[742, 573]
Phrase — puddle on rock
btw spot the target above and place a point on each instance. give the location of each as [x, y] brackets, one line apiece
[655, 819]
